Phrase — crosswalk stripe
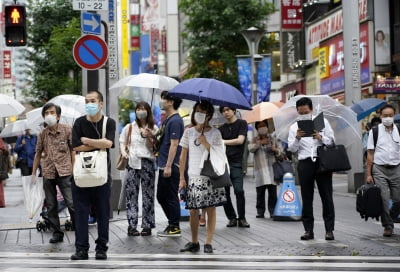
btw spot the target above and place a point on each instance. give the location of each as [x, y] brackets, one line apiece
[15, 262]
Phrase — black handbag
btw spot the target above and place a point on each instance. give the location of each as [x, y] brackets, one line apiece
[216, 181]
[332, 158]
[280, 168]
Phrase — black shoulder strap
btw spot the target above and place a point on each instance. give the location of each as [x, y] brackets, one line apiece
[375, 132]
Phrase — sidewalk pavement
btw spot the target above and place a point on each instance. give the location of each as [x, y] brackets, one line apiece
[353, 235]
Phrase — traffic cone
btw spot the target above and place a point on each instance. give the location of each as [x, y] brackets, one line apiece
[288, 206]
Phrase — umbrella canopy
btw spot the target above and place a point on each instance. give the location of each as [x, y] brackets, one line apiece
[14, 129]
[215, 91]
[366, 106]
[261, 111]
[341, 118]
[9, 106]
[34, 118]
[146, 80]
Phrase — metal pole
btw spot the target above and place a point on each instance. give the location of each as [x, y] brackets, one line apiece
[352, 89]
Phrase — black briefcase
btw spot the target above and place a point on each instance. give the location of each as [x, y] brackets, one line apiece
[333, 158]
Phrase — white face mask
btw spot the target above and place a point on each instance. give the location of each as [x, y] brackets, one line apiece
[307, 116]
[141, 114]
[50, 120]
[387, 121]
[263, 130]
[200, 117]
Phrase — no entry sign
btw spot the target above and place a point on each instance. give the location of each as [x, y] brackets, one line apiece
[90, 52]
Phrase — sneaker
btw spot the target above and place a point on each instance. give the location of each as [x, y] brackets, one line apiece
[170, 231]
[80, 255]
[101, 255]
[191, 247]
[388, 231]
[92, 220]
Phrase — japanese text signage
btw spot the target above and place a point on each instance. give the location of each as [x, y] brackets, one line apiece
[7, 64]
[291, 14]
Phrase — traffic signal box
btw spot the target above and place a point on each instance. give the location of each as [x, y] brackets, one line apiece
[15, 25]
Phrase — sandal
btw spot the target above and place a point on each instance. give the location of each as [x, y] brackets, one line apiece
[202, 222]
[133, 232]
[146, 232]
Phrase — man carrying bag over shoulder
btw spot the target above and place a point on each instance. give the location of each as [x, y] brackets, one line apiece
[87, 136]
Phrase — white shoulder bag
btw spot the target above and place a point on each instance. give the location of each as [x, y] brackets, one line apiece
[90, 168]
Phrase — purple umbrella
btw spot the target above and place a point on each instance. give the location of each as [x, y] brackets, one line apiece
[216, 92]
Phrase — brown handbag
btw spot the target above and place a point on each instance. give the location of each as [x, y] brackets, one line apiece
[122, 162]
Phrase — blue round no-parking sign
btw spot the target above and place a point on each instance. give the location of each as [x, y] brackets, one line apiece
[90, 52]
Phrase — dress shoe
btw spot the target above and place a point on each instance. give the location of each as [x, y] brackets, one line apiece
[56, 239]
[388, 231]
[101, 255]
[308, 235]
[259, 216]
[232, 223]
[208, 248]
[80, 255]
[243, 223]
[329, 236]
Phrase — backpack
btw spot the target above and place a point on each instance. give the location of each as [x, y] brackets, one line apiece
[369, 201]
[375, 133]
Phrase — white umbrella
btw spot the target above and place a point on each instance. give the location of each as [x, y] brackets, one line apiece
[72, 107]
[9, 106]
[34, 119]
[14, 129]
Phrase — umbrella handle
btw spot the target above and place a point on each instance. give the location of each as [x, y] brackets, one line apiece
[152, 96]
[202, 133]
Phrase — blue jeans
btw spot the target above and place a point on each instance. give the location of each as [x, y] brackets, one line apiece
[99, 199]
[167, 195]
[237, 183]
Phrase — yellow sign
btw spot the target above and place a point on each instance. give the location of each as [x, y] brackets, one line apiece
[323, 62]
[125, 37]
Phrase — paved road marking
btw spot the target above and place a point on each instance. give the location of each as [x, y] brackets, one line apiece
[26, 262]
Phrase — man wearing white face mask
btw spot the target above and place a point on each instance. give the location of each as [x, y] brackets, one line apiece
[56, 157]
[383, 165]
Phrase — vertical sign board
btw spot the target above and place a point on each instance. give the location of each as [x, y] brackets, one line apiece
[7, 64]
[291, 14]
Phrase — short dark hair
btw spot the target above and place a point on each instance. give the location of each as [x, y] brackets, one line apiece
[388, 106]
[221, 108]
[99, 95]
[50, 105]
[304, 101]
[203, 105]
[375, 120]
[177, 101]
[260, 122]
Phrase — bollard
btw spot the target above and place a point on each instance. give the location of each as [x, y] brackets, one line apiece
[288, 206]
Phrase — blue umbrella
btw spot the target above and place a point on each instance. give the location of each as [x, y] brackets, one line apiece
[366, 106]
[215, 91]
[397, 118]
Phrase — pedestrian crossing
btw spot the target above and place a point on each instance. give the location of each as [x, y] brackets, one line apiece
[29, 262]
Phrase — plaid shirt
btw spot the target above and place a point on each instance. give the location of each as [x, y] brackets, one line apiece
[55, 148]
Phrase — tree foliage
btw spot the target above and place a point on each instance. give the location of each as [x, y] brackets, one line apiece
[52, 32]
[213, 34]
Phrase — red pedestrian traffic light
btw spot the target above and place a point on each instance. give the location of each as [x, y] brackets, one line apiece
[15, 25]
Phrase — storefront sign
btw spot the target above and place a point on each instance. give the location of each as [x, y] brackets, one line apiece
[387, 86]
[291, 14]
[335, 81]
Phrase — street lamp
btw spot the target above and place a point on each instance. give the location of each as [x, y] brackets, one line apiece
[253, 36]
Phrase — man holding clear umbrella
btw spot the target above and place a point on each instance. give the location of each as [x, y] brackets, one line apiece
[308, 171]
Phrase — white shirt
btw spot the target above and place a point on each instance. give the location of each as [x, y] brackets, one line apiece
[307, 146]
[137, 148]
[387, 146]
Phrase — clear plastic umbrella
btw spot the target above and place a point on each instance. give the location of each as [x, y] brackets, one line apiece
[341, 118]
[9, 106]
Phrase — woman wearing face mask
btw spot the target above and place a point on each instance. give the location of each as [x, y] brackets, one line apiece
[197, 142]
[265, 148]
[141, 170]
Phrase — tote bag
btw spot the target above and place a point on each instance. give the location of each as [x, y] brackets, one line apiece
[90, 168]
[216, 181]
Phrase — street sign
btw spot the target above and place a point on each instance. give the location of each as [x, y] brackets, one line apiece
[91, 23]
[94, 5]
[90, 52]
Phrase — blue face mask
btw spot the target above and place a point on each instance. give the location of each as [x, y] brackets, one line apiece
[92, 109]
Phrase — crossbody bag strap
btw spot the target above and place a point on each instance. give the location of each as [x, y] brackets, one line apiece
[103, 133]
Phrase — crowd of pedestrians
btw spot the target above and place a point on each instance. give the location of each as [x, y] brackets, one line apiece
[178, 154]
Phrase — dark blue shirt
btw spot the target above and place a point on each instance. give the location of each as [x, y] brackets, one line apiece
[173, 131]
[27, 151]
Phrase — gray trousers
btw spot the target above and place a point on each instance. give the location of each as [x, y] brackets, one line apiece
[50, 191]
[388, 180]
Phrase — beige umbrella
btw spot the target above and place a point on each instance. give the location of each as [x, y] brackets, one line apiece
[261, 111]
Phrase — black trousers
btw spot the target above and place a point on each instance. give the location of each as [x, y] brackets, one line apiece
[307, 170]
[272, 198]
[167, 195]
